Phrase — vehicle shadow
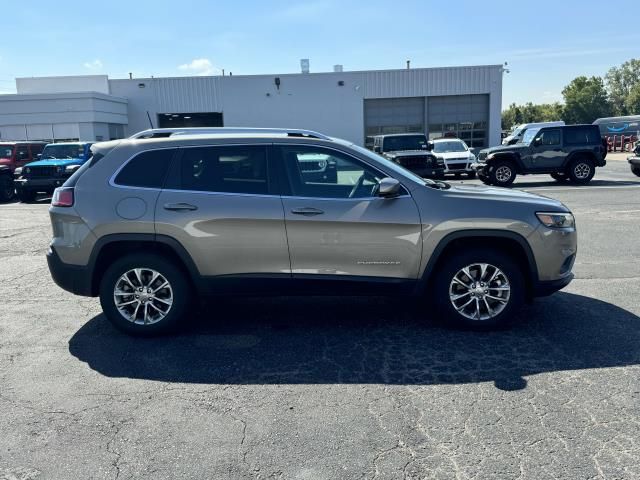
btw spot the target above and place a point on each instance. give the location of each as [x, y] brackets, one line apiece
[364, 340]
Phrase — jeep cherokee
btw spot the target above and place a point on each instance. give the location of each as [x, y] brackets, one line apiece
[150, 223]
[565, 152]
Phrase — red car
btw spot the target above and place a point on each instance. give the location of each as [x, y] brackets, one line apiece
[15, 155]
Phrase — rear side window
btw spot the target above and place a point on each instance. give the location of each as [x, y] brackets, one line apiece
[237, 169]
[146, 170]
[580, 136]
[550, 137]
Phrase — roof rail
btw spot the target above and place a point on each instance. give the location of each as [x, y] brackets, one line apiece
[170, 132]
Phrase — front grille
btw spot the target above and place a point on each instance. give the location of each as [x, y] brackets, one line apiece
[414, 162]
[457, 166]
[41, 172]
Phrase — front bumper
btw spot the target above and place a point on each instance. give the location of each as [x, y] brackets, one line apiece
[72, 278]
[543, 289]
[39, 184]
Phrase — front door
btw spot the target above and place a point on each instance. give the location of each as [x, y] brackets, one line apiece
[336, 223]
[547, 154]
[219, 204]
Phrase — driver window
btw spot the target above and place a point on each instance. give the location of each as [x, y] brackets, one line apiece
[550, 137]
[322, 173]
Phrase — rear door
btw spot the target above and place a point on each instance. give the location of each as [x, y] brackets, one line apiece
[337, 225]
[219, 202]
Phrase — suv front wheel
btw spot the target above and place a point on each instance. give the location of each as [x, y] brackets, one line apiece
[144, 294]
[581, 170]
[502, 173]
[479, 289]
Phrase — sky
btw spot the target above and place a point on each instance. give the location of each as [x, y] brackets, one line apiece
[545, 43]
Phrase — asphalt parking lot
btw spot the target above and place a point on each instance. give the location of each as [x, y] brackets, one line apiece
[326, 388]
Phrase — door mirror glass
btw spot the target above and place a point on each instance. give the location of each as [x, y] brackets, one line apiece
[388, 187]
[537, 142]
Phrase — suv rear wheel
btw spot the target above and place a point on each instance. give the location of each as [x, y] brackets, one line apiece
[502, 173]
[144, 294]
[480, 288]
[26, 196]
[6, 188]
[581, 170]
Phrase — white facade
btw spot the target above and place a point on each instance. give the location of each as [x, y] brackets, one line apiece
[342, 104]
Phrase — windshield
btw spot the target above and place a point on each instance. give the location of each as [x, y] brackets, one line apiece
[405, 142]
[6, 151]
[389, 164]
[449, 146]
[529, 135]
[63, 151]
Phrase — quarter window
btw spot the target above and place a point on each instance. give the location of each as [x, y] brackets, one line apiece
[578, 136]
[147, 170]
[322, 173]
[238, 169]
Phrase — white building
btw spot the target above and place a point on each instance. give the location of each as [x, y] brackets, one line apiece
[465, 101]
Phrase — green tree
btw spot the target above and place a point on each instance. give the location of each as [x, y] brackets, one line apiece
[621, 81]
[585, 99]
[633, 101]
[530, 113]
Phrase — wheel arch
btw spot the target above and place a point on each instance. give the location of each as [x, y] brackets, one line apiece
[505, 241]
[509, 157]
[578, 154]
[110, 247]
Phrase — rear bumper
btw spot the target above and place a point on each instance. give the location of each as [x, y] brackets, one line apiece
[543, 289]
[72, 278]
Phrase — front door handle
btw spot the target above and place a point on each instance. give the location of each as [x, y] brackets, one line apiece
[179, 207]
[307, 211]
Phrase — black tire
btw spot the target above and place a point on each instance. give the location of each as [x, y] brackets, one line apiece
[451, 266]
[581, 170]
[6, 188]
[26, 196]
[484, 179]
[560, 177]
[471, 175]
[635, 171]
[502, 173]
[179, 289]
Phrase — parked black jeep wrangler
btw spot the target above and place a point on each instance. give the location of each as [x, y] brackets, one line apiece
[566, 153]
[411, 151]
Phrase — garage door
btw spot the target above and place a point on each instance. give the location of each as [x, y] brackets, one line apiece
[393, 115]
[462, 116]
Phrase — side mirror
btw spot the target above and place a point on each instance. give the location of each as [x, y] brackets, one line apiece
[429, 146]
[388, 187]
[39, 156]
[537, 142]
[377, 149]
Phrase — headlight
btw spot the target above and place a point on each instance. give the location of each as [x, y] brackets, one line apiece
[59, 169]
[18, 171]
[556, 220]
[440, 160]
[71, 168]
[472, 157]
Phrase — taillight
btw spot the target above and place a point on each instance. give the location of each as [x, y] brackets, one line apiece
[62, 197]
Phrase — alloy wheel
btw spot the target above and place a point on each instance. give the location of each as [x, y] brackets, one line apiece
[143, 296]
[503, 174]
[582, 171]
[479, 291]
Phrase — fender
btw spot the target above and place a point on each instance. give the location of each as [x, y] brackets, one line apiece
[475, 233]
[172, 243]
[511, 156]
[582, 151]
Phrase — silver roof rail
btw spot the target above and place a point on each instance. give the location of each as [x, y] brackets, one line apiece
[170, 132]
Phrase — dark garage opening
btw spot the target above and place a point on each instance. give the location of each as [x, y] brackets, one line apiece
[208, 119]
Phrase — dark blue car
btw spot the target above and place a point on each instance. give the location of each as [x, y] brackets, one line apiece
[57, 162]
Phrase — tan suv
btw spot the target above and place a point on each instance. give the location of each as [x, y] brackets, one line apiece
[153, 222]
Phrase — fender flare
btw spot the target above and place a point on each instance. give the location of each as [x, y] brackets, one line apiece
[475, 233]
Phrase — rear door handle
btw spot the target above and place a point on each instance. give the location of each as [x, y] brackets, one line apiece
[179, 207]
[307, 211]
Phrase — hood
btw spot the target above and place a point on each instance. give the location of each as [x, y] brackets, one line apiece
[505, 148]
[450, 155]
[483, 192]
[408, 153]
[56, 162]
